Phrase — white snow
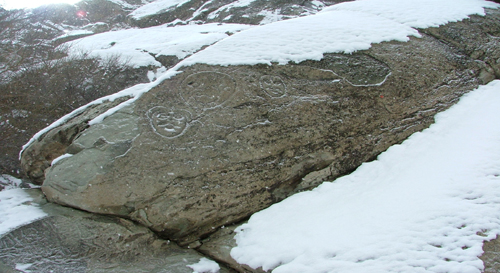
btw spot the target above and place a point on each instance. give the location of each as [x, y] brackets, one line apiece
[9, 182]
[135, 46]
[303, 38]
[236, 4]
[77, 32]
[418, 14]
[23, 267]
[205, 266]
[123, 4]
[345, 27]
[270, 16]
[15, 209]
[423, 206]
[156, 7]
[60, 158]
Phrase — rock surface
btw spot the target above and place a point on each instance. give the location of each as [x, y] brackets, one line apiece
[218, 247]
[73, 241]
[213, 145]
[54, 143]
[491, 256]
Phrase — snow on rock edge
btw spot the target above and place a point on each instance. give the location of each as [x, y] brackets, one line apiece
[423, 206]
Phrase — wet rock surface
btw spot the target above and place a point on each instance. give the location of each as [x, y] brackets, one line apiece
[69, 240]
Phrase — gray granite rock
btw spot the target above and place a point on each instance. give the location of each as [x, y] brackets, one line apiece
[213, 145]
[54, 143]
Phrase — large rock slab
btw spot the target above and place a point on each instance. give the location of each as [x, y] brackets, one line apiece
[73, 241]
[213, 144]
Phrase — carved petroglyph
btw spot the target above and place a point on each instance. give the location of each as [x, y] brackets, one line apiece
[202, 92]
[206, 90]
[273, 86]
[167, 122]
[356, 69]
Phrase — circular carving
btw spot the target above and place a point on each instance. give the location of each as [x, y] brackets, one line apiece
[167, 122]
[207, 89]
[273, 86]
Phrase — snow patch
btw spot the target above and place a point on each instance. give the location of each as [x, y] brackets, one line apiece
[418, 14]
[78, 32]
[205, 266]
[60, 158]
[136, 47]
[123, 4]
[239, 3]
[304, 38]
[23, 267]
[16, 210]
[343, 28]
[9, 182]
[270, 16]
[423, 206]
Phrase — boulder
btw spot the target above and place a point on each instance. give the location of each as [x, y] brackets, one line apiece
[69, 240]
[212, 145]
